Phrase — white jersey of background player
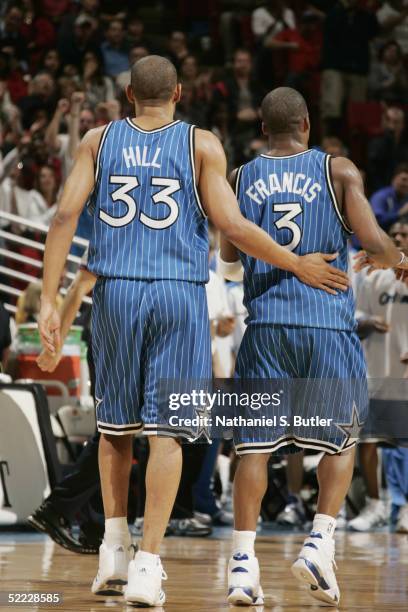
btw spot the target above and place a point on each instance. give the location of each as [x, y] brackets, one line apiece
[383, 297]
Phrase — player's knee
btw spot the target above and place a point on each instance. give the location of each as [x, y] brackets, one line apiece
[160, 444]
[117, 442]
[255, 459]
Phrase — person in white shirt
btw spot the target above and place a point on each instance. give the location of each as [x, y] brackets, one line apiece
[272, 18]
[382, 314]
[393, 18]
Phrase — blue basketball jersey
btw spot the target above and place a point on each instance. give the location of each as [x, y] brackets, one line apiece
[148, 222]
[292, 198]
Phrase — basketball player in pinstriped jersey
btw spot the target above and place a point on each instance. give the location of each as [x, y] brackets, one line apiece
[308, 202]
[149, 249]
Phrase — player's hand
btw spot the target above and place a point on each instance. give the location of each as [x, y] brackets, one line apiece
[225, 326]
[49, 325]
[379, 324]
[63, 106]
[47, 362]
[314, 270]
[363, 260]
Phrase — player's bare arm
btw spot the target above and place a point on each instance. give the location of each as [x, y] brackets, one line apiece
[82, 284]
[221, 206]
[62, 229]
[378, 248]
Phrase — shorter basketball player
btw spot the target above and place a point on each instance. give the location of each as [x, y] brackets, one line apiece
[306, 201]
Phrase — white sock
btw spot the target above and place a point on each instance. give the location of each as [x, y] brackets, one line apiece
[243, 542]
[117, 532]
[324, 524]
[147, 558]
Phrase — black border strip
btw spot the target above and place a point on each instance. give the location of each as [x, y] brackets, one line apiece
[333, 197]
[237, 181]
[247, 447]
[160, 129]
[285, 156]
[191, 150]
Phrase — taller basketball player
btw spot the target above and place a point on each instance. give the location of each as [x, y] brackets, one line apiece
[152, 182]
[306, 201]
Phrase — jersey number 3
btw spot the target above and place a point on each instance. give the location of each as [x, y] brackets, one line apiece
[292, 210]
[122, 194]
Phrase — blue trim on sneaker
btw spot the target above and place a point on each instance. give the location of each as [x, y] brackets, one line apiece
[320, 580]
[240, 557]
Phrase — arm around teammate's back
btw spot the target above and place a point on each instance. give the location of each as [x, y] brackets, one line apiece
[358, 213]
[222, 208]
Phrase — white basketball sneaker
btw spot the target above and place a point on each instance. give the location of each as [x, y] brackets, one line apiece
[374, 514]
[402, 524]
[244, 588]
[113, 570]
[315, 568]
[144, 586]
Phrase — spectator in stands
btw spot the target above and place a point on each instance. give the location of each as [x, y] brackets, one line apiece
[271, 18]
[393, 18]
[97, 87]
[302, 45]
[123, 79]
[391, 203]
[40, 99]
[388, 78]
[388, 150]
[79, 122]
[267, 22]
[10, 37]
[76, 36]
[114, 49]
[242, 95]
[37, 31]
[135, 33]
[334, 146]
[36, 204]
[177, 48]
[5, 337]
[348, 31]
[52, 63]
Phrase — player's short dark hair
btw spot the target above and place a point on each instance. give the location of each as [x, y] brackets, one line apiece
[283, 109]
[153, 78]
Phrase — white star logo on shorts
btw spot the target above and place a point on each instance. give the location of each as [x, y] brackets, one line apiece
[203, 429]
[352, 429]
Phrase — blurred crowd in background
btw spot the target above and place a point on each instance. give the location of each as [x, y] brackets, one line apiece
[64, 66]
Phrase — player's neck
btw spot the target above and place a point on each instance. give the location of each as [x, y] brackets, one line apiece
[152, 117]
[281, 145]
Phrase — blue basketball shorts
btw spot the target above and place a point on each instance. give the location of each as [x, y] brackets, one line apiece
[144, 332]
[324, 388]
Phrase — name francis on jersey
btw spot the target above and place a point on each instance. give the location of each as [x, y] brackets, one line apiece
[289, 182]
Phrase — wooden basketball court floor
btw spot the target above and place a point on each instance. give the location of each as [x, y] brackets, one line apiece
[373, 573]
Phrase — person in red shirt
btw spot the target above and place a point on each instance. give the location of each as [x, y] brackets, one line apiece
[302, 46]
